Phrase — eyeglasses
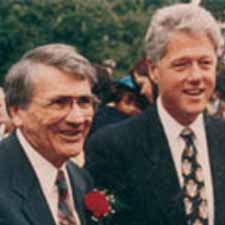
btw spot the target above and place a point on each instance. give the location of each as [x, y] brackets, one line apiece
[64, 104]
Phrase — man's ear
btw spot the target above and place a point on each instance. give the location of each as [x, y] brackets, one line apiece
[154, 73]
[15, 114]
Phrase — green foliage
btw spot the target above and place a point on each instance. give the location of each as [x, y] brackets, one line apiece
[99, 29]
[216, 7]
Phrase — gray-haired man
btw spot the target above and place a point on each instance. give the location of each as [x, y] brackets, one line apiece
[168, 164]
[49, 98]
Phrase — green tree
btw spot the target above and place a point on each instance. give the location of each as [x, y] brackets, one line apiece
[100, 29]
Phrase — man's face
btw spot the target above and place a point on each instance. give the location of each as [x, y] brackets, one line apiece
[128, 104]
[54, 130]
[186, 75]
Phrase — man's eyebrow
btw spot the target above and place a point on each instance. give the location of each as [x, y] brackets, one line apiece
[185, 58]
[71, 96]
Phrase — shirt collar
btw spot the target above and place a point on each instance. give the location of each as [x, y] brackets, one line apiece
[174, 128]
[45, 171]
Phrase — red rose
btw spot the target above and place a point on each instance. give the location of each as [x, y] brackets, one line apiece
[97, 203]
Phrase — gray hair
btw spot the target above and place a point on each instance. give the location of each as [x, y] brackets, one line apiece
[179, 17]
[19, 81]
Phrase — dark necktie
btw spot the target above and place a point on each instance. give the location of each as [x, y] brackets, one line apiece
[194, 193]
[65, 214]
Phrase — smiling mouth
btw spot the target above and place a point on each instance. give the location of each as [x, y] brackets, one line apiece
[72, 135]
[194, 92]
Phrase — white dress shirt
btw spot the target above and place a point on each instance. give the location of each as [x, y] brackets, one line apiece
[173, 130]
[46, 174]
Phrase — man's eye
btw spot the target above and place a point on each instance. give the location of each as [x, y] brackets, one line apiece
[85, 100]
[60, 101]
[181, 65]
[206, 63]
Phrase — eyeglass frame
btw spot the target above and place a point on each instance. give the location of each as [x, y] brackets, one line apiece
[60, 103]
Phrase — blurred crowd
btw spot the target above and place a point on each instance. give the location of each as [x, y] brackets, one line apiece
[131, 94]
[124, 97]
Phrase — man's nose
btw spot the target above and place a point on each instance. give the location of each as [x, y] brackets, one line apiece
[196, 72]
[76, 114]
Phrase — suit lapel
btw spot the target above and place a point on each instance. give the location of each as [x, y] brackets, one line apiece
[36, 210]
[78, 188]
[27, 191]
[163, 179]
[216, 143]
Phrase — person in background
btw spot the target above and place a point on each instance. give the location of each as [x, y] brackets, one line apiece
[214, 105]
[6, 125]
[102, 87]
[109, 65]
[141, 77]
[167, 164]
[125, 103]
[126, 97]
[48, 96]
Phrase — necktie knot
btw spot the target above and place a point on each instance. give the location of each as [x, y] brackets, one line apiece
[61, 183]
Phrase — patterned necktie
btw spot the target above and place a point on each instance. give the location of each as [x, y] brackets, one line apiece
[65, 214]
[194, 194]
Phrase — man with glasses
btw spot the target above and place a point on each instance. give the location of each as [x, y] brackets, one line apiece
[48, 96]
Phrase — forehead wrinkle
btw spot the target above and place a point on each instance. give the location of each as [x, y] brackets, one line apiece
[63, 83]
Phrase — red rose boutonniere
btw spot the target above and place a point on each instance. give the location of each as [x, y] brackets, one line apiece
[100, 204]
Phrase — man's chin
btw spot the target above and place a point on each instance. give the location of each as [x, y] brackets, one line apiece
[75, 149]
[190, 116]
[196, 110]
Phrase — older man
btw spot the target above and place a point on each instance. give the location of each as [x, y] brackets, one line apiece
[168, 164]
[49, 98]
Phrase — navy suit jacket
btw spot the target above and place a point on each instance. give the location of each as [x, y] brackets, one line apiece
[21, 198]
[133, 159]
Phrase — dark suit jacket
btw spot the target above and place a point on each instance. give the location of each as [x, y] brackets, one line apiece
[133, 158]
[21, 199]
